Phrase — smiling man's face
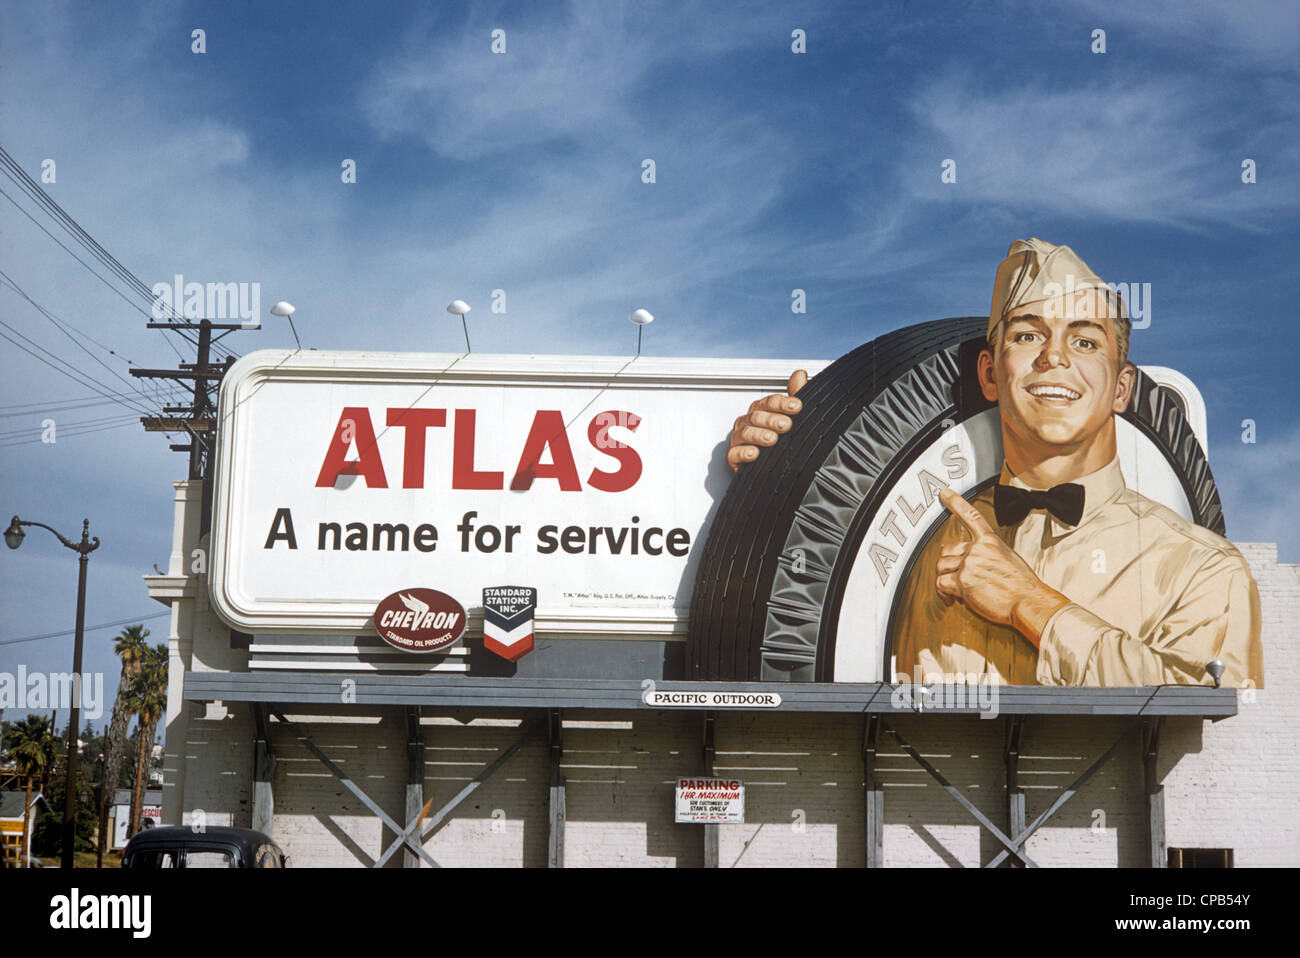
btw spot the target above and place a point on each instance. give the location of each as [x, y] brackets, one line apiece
[1055, 372]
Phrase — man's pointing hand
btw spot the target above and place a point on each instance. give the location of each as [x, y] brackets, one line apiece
[989, 578]
[768, 419]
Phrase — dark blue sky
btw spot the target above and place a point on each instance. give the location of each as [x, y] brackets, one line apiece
[522, 171]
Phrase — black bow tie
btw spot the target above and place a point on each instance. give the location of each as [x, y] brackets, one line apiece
[1011, 504]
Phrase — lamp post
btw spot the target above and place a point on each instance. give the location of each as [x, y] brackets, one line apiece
[14, 536]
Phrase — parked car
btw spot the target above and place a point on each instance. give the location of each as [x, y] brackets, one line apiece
[213, 847]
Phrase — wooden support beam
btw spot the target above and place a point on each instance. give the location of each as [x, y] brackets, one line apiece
[1155, 792]
[557, 817]
[414, 776]
[437, 818]
[710, 831]
[1015, 794]
[1009, 845]
[404, 835]
[1066, 794]
[263, 773]
[875, 795]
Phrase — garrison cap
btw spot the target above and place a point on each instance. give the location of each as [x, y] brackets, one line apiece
[1036, 270]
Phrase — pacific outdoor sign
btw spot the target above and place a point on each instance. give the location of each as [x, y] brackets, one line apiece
[710, 699]
[420, 620]
[341, 476]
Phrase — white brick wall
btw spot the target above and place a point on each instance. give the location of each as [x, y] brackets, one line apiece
[1236, 781]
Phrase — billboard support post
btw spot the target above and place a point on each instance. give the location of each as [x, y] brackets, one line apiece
[1155, 792]
[1015, 794]
[557, 816]
[414, 776]
[710, 831]
[875, 795]
[263, 774]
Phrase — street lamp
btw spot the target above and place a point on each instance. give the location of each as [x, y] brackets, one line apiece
[14, 536]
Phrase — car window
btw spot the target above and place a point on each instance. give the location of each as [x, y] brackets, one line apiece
[158, 859]
[209, 858]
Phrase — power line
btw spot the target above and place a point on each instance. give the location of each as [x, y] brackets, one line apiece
[88, 267]
[205, 373]
[133, 421]
[92, 384]
[63, 327]
[89, 628]
[86, 378]
[15, 172]
[63, 426]
[57, 405]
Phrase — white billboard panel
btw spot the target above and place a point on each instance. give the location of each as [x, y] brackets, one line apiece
[344, 477]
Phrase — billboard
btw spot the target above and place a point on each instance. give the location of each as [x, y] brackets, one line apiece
[600, 487]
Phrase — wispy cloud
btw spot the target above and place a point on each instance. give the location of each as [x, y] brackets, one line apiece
[1263, 31]
[1149, 152]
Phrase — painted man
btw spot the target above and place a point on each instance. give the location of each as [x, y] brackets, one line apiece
[1060, 574]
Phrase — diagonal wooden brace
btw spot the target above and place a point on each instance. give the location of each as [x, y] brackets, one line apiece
[352, 787]
[961, 799]
[407, 836]
[1064, 797]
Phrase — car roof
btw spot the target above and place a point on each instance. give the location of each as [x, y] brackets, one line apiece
[172, 835]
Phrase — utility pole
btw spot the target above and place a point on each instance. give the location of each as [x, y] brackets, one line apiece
[198, 419]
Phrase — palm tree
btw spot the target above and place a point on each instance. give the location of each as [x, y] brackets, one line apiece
[147, 700]
[33, 747]
[130, 646]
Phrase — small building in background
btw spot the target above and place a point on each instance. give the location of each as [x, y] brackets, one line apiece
[15, 833]
[120, 815]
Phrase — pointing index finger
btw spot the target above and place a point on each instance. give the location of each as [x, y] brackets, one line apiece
[967, 514]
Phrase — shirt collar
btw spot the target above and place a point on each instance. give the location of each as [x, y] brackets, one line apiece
[1099, 488]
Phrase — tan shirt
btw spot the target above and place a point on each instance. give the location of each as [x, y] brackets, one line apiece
[1153, 599]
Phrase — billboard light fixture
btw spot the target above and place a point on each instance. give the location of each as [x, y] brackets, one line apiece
[458, 307]
[642, 318]
[286, 309]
